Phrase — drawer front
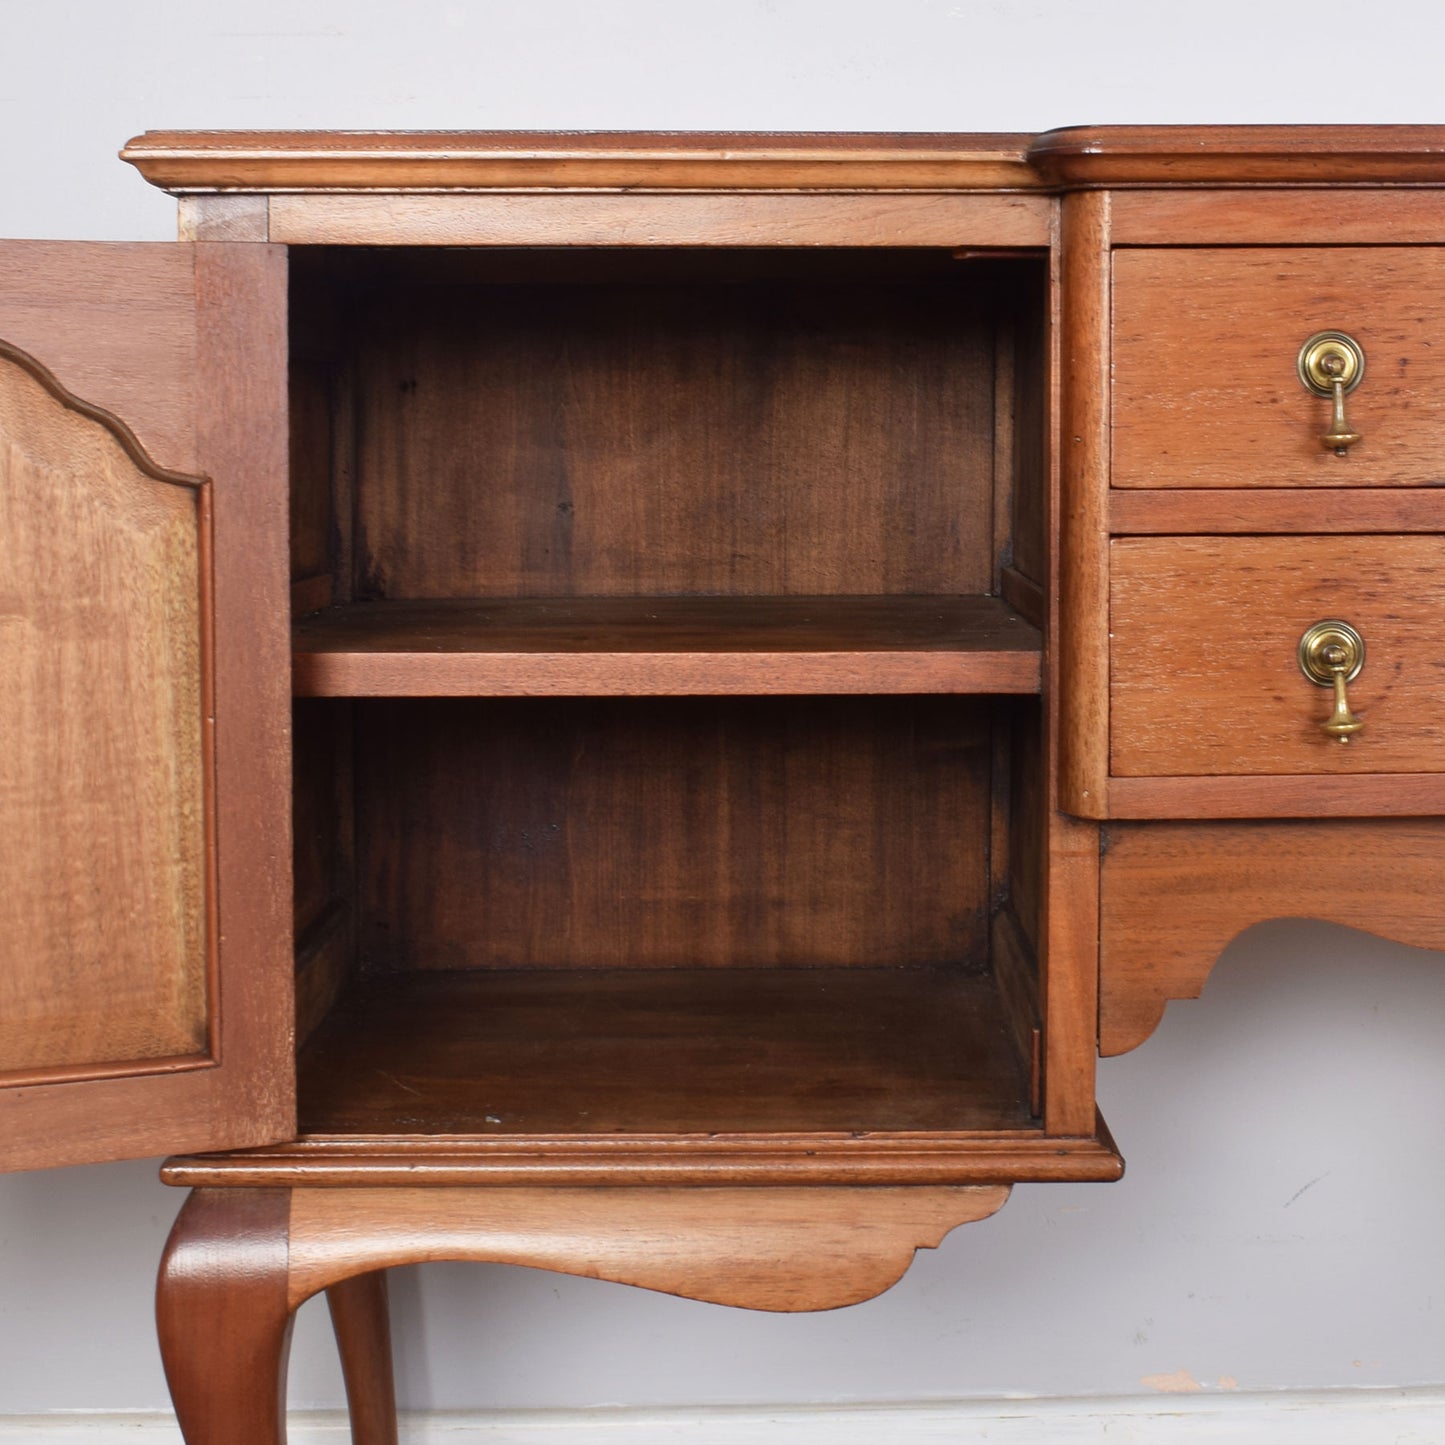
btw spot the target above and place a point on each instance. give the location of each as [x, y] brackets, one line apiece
[1204, 672]
[1206, 346]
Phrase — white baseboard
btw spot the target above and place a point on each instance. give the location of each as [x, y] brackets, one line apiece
[1324, 1417]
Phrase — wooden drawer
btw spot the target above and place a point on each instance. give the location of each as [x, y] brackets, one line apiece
[1205, 348]
[1204, 676]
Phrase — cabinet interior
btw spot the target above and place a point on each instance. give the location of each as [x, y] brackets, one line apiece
[668, 739]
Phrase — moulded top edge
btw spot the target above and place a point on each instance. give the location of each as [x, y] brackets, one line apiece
[1240, 155]
[1082, 156]
[431, 160]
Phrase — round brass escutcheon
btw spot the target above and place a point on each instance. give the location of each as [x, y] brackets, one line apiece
[1331, 654]
[1331, 649]
[1329, 357]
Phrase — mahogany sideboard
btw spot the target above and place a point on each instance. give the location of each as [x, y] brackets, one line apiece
[647, 705]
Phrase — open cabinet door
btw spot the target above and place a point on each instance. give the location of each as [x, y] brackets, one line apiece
[145, 988]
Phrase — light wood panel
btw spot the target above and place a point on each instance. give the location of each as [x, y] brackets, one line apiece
[666, 645]
[1261, 217]
[672, 832]
[1174, 894]
[1281, 510]
[242, 441]
[1205, 678]
[658, 220]
[1206, 392]
[1309, 795]
[228, 331]
[1081, 511]
[766, 1249]
[114, 323]
[105, 949]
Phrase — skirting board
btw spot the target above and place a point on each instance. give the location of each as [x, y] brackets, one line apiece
[1325, 1417]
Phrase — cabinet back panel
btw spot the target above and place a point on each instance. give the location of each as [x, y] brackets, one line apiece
[672, 833]
[758, 437]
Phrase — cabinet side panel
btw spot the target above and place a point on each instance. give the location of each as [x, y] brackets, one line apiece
[242, 441]
[104, 948]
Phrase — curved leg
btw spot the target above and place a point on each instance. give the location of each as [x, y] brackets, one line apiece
[363, 1336]
[224, 1318]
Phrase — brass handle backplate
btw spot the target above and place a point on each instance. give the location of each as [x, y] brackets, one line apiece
[1331, 653]
[1332, 364]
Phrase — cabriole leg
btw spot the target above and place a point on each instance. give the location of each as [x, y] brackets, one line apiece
[223, 1316]
[363, 1336]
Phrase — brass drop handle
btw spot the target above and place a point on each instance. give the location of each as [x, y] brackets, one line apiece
[1331, 654]
[1332, 364]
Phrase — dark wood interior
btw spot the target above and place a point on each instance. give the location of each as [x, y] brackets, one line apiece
[667, 676]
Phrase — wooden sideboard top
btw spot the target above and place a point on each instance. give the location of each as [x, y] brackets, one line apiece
[189, 161]
[1071, 158]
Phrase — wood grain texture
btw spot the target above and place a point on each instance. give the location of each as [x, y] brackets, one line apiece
[1081, 640]
[1237, 155]
[114, 324]
[1069, 973]
[1242, 418]
[1367, 217]
[1174, 894]
[1278, 510]
[1362, 795]
[759, 439]
[242, 442]
[107, 952]
[360, 1319]
[658, 220]
[678, 1051]
[224, 1317]
[665, 645]
[429, 160]
[223, 218]
[1205, 677]
[680, 832]
[767, 1249]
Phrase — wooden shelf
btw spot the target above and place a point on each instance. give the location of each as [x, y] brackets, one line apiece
[665, 646]
[648, 1052]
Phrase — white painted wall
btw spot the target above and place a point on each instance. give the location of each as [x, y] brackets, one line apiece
[1278, 1226]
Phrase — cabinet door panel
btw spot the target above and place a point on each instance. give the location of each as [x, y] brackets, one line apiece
[107, 951]
[144, 946]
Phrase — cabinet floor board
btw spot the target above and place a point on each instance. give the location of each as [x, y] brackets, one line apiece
[651, 1051]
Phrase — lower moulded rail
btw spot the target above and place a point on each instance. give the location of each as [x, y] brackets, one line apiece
[828, 1160]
